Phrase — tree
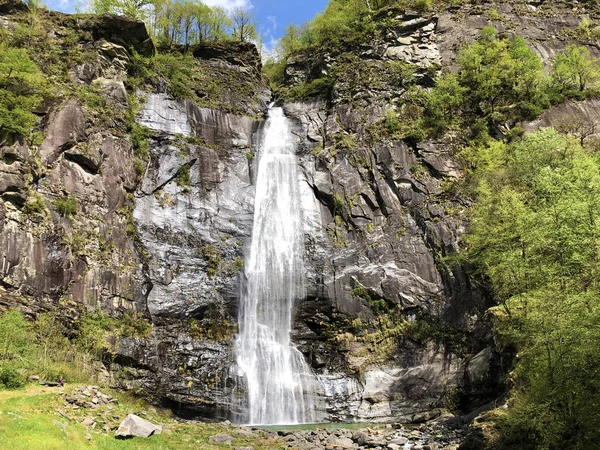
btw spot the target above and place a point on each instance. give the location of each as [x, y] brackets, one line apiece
[244, 27]
[136, 9]
[505, 78]
[535, 235]
[574, 71]
[444, 102]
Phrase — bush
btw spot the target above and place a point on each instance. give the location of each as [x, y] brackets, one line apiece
[320, 87]
[534, 235]
[66, 207]
[14, 336]
[10, 377]
[34, 205]
[22, 89]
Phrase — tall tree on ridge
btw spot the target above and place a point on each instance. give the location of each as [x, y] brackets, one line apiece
[244, 27]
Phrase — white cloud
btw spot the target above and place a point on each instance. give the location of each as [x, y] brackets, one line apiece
[229, 4]
[268, 42]
[273, 21]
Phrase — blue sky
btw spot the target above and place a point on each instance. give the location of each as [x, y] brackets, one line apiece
[273, 16]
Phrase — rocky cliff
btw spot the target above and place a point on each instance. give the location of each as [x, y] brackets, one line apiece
[164, 233]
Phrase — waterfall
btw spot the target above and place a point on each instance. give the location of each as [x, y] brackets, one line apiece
[281, 386]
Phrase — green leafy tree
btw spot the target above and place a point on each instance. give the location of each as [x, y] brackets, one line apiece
[575, 71]
[535, 235]
[136, 9]
[505, 78]
[244, 27]
[444, 102]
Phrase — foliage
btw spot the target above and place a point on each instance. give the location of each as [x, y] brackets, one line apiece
[213, 258]
[188, 22]
[183, 179]
[183, 22]
[46, 347]
[505, 78]
[214, 330]
[98, 332]
[500, 83]
[342, 23]
[14, 337]
[244, 28]
[186, 77]
[535, 235]
[35, 205]
[66, 207]
[444, 103]
[574, 72]
[22, 90]
[136, 9]
[10, 377]
[319, 87]
[29, 420]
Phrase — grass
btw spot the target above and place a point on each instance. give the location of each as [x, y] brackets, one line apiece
[29, 419]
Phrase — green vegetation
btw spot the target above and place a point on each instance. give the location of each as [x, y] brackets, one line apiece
[29, 419]
[534, 235]
[186, 22]
[342, 23]
[22, 89]
[35, 205]
[51, 347]
[187, 77]
[183, 178]
[500, 83]
[214, 330]
[213, 258]
[575, 73]
[66, 207]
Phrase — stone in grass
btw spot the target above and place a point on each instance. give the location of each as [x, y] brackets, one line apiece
[135, 426]
[221, 438]
[88, 422]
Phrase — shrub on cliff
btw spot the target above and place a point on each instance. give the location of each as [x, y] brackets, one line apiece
[505, 79]
[22, 90]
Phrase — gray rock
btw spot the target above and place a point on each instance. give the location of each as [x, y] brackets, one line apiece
[67, 128]
[88, 422]
[114, 91]
[162, 113]
[135, 426]
[341, 443]
[221, 438]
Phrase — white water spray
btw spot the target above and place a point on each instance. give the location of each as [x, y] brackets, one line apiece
[281, 386]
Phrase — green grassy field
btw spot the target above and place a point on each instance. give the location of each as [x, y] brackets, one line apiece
[29, 419]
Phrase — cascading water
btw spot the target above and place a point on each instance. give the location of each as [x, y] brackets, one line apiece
[281, 386]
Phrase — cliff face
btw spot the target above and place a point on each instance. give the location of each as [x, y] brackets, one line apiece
[165, 236]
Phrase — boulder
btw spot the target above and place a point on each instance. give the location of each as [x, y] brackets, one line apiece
[65, 129]
[221, 438]
[120, 30]
[135, 426]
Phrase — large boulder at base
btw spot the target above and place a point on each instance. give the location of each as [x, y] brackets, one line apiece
[135, 426]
